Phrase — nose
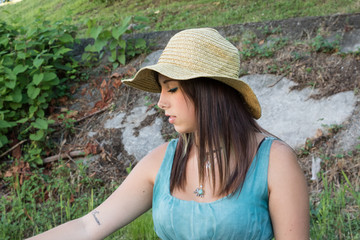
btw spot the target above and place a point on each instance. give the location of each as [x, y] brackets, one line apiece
[162, 101]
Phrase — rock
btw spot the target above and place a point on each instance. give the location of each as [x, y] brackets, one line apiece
[292, 115]
[138, 140]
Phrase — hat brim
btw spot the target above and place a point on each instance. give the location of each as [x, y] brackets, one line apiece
[145, 79]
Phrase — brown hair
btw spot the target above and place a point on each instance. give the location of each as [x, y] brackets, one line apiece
[225, 127]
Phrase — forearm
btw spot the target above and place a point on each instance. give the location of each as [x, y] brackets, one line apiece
[74, 229]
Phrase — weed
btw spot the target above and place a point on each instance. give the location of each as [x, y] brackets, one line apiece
[41, 200]
[322, 44]
[68, 123]
[266, 49]
[296, 55]
[267, 31]
[35, 67]
[111, 40]
[330, 218]
[333, 128]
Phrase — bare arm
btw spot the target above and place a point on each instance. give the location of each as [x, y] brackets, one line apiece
[132, 198]
[288, 194]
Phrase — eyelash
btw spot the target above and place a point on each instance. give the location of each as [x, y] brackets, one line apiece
[173, 90]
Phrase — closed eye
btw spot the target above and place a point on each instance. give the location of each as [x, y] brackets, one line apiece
[172, 90]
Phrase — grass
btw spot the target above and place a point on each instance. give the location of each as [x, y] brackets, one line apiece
[48, 197]
[335, 214]
[41, 199]
[37, 199]
[169, 15]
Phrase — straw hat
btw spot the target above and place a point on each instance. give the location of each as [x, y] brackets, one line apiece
[195, 53]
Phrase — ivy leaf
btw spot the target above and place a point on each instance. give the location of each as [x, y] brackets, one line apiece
[33, 109]
[113, 54]
[111, 59]
[140, 43]
[66, 38]
[62, 51]
[23, 120]
[9, 73]
[3, 140]
[15, 105]
[37, 78]
[10, 84]
[6, 124]
[4, 40]
[16, 95]
[117, 32]
[48, 76]
[100, 44]
[40, 113]
[122, 59]
[115, 65]
[21, 55]
[19, 69]
[37, 136]
[126, 21]
[95, 31]
[90, 48]
[113, 45]
[33, 92]
[37, 62]
[122, 43]
[40, 124]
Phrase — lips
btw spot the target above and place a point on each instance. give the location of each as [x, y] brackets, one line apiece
[171, 118]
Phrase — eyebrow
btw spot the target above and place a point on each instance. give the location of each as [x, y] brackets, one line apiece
[168, 80]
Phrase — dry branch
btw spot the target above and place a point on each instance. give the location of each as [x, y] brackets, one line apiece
[77, 153]
[12, 148]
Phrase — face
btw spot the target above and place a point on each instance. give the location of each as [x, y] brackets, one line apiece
[177, 106]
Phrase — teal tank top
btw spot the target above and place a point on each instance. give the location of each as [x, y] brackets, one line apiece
[244, 216]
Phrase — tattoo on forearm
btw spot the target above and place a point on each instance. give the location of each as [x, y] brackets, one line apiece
[94, 215]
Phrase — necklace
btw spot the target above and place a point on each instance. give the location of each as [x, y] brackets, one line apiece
[199, 192]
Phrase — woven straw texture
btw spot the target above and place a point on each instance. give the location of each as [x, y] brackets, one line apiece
[195, 53]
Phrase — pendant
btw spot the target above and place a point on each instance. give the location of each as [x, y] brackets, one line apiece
[199, 191]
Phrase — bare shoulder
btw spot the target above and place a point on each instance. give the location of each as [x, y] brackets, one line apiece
[283, 164]
[281, 149]
[288, 194]
[152, 161]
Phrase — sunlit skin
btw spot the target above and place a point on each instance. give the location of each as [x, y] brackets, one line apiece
[177, 106]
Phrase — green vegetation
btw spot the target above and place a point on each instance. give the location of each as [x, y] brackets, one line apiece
[42, 198]
[168, 15]
[110, 40]
[329, 216]
[36, 67]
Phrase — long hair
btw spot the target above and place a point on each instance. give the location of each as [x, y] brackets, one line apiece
[225, 128]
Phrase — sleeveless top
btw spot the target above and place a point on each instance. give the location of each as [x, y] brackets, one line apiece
[244, 216]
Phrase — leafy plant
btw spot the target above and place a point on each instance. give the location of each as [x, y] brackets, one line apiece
[40, 199]
[329, 218]
[34, 65]
[322, 44]
[110, 40]
[265, 49]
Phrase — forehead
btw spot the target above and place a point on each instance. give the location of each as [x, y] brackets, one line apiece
[163, 79]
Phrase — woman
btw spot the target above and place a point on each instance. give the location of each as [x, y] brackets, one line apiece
[225, 177]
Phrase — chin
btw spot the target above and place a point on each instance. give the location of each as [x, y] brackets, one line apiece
[182, 130]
